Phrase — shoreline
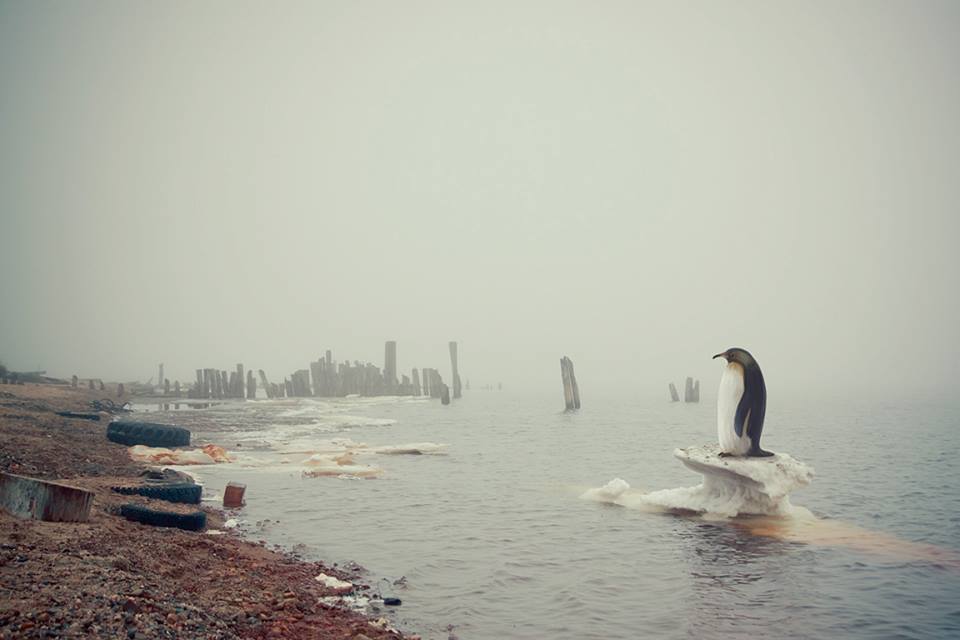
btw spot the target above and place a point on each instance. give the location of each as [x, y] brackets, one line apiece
[113, 578]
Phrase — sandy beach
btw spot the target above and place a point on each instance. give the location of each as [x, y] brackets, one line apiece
[111, 578]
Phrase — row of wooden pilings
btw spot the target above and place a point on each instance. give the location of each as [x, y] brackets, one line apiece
[691, 391]
[326, 378]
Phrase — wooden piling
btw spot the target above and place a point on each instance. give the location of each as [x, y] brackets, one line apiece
[688, 390]
[456, 373]
[390, 365]
[251, 386]
[444, 394]
[160, 378]
[674, 396]
[176, 388]
[166, 387]
[267, 387]
[416, 382]
[571, 392]
[238, 388]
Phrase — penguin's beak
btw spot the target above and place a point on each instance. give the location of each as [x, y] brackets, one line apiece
[719, 355]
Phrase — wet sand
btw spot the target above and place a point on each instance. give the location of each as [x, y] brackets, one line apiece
[110, 578]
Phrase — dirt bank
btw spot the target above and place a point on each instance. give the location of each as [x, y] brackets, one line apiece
[110, 578]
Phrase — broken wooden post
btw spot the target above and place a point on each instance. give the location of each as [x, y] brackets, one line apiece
[267, 388]
[120, 390]
[160, 377]
[674, 396]
[100, 381]
[41, 500]
[176, 388]
[90, 384]
[251, 386]
[166, 387]
[696, 391]
[444, 394]
[74, 381]
[688, 390]
[571, 392]
[456, 373]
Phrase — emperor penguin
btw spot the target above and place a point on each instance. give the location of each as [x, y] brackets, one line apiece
[741, 403]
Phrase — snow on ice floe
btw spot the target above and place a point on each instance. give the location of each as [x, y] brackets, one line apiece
[731, 486]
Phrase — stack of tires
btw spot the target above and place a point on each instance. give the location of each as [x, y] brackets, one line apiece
[152, 434]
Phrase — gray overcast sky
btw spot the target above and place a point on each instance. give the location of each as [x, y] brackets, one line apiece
[638, 185]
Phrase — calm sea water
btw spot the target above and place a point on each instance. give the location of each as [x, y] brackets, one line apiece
[495, 542]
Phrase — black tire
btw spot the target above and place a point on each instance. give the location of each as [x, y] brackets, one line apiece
[183, 493]
[144, 515]
[148, 433]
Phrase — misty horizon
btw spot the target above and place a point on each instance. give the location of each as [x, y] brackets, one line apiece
[635, 186]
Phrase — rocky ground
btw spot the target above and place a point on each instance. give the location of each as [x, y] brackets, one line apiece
[110, 578]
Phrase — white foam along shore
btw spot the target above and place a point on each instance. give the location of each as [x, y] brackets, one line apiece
[731, 486]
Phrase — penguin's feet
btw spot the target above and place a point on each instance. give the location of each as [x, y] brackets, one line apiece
[760, 453]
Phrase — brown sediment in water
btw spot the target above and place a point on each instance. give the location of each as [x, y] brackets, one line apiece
[110, 578]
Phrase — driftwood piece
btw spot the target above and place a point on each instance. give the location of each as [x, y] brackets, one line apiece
[40, 500]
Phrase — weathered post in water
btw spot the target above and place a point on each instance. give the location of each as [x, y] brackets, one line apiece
[416, 381]
[238, 390]
[74, 381]
[571, 392]
[390, 365]
[456, 373]
[674, 396]
[176, 388]
[160, 378]
[166, 387]
[444, 394]
[251, 386]
[265, 384]
[688, 390]
[696, 391]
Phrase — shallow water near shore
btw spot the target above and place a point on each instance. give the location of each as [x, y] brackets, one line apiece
[494, 540]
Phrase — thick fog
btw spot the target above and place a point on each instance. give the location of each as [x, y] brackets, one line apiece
[635, 185]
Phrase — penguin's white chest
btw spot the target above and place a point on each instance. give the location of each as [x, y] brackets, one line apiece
[728, 398]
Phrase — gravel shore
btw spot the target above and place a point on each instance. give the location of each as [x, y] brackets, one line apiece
[110, 578]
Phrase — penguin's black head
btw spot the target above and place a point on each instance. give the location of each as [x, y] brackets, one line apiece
[738, 355]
